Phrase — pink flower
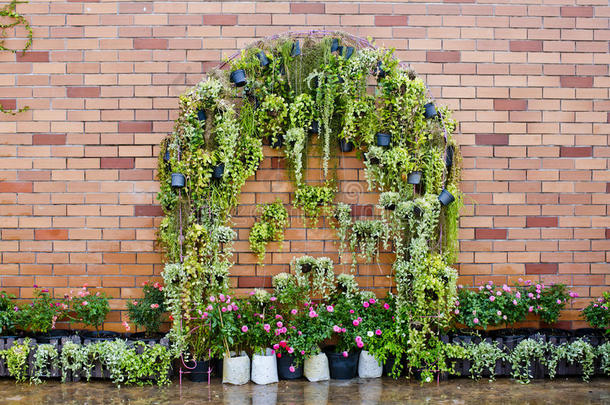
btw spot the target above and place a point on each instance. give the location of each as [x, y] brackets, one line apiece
[358, 339]
[520, 280]
[302, 352]
[351, 311]
[386, 305]
[290, 350]
[492, 298]
[372, 301]
[498, 293]
[222, 297]
[514, 302]
[223, 309]
[267, 327]
[291, 368]
[531, 309]
[85, 303]
[499, 313]
[294, 312]
[313, 314]
[212, 299]
[336, 329]
[518, 294]
[480, 288]
[276, 346]
[210, 308]
[365, 304]
[154, 306]
[360, 344]
[330, 308]
[244, 328]
[279, 324]
[457, 311]
[504, 317]
[559, 301]
[475, 321]
[272, 299]
[531, 295]
[378, 332]
[344, 354]
[356, 322]
[126, 325]
[134, 302]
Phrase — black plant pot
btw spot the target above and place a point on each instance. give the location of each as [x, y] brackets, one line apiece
[296, 49]
[348, 52]
[100, 336]
[200, 372]
[219, 171]
[315, 128]
[343, 368]
[166, 156]
[417, 211]
[262, 57]
[430, 110]
[201, 116]
[334, 46]
[414, 177]
[238, 77]
[380, 72]
[178, 180]
[346, 146]
[54, 334]
[383, 139]
[306, 268]
[445, 197]
[449, 156]
[283, 368]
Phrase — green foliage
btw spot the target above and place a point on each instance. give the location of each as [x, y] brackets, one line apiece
[318, 278]
[89, 309]
[74, 359]
[365, 236]
[272, 117]
[483, 357]
[603, 352]
[40, 315]
[522, 357]
[273, 221]
[580, 352]
[46, 358]
[8, 313]
[148, 311]
[597, 313]
[16, 358]
[314, 200]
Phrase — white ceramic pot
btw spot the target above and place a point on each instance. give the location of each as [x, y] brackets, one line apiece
[236, 370]
[316, 368]
[368, 366]
[264, 368]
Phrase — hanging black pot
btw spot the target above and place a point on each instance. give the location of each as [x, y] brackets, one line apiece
[417, 211]
[166, 156]
[219, 171]
[340, 49]
[315, 128]
[414, 177]
[383, 139]
[348, 52]
[380, 72]
[262, 57]
[238, 77]
[346, 146]
[343, 368]
[306, 268]
[278, 142]
[178, 180]
[283, 368]
[390, 207]
[296, 49]
[430, 110]
[374, 161]
[334, 45]
[201, 116]
[445, 197]
[449, 156]
[200, 372]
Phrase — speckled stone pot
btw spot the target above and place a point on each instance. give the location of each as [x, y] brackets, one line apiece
[264, 368]
[368, 366]
[316, 368]
[236, 370]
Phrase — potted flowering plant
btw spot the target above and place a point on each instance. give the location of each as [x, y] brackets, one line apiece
[148, 311]
[379, 338]
[8, 314]
[597, 313]
[347, 330]
[41, 314]
[315, 326]
[90, 309]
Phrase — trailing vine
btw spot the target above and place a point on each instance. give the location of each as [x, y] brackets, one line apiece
[270, 228]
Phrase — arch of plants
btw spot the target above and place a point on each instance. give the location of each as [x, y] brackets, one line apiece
[324, 93]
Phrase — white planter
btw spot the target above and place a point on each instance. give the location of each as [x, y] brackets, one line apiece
[368, 366]
[236, 370]
[316, 368]
[264, 368]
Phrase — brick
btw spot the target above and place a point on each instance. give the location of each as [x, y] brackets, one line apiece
[362, 210]
[117, 163]
[390, 20]
[8, 103]
[83, 92]
[577, 11]
[540, 268]
[491, 139]
[572, 81]
[219, 19]
[307, 8]
[135, 126]
[576, 151]
[148, 211]
[490, 233]
[525, 46]
[33, 56]
[48, 139]
[150, 43]
[443, 56]
[51, 234]
[15, 187]
[254, 282]
[509, 105]
[537, 222]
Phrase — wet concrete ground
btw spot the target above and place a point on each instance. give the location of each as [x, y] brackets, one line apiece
[353, 392]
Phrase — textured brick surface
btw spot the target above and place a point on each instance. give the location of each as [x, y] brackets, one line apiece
[528, 82]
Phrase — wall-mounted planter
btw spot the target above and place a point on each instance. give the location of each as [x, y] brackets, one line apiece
[383, 139]
[429, 110]
[341, 367]
[201, 116]
[296, 49]
[219, 171]
[315, 128]
[283, 368]
[445, 197]
[414, 177]
[348, 52]
[346, 146]
[449, 152]
[380, 72]
[166, 156]
[305, 268]
[178, 180]
[238, 77]
[262, 57]
[334, 46]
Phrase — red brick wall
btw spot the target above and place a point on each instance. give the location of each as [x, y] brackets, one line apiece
[528, 81]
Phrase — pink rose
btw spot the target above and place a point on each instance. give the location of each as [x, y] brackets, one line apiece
[492, 298]
[386, 305]
[475, 321]
[378, 332]
[365, 304]
[344, 354]
[85, 303]
[356, 322]
[291, 368]
[244, 328]
[330, 308]
[294, 312]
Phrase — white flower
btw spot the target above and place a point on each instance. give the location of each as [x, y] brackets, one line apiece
[370, 333]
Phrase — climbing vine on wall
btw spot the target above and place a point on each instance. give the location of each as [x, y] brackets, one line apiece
[295, 92]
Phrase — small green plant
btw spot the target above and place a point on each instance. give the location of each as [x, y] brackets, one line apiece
[89, 309]
[583, 353]
[389, 200]
[314, 200]
[314, 275]
[17, 360]
[483, 357]
[523, 356]
[148, 311]
[74, 358]
[597, 313]
[8, 313]
[40, 315]
[603, 352]
[366, 236]
[272, 117]
[46, 358]
[273, 221]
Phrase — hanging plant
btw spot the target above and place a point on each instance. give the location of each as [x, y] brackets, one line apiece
[273, 221]
[314, 200]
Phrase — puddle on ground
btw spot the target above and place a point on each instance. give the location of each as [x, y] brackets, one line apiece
[352, 392]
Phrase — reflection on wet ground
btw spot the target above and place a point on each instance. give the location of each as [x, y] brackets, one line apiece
[353, 392]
